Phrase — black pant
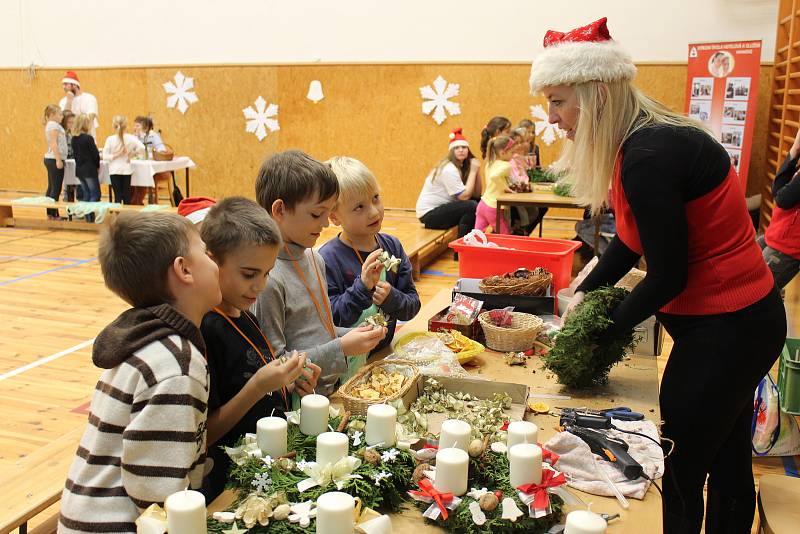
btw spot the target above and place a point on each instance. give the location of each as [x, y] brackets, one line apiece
[121, 184]
[458, 212]
[707, 406]
[55, 178]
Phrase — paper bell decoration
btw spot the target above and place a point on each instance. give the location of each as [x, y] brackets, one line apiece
[315, 91]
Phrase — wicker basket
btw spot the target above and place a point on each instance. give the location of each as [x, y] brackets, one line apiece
[534, 284]
[164, 155]
[357, 405]
[520, 336]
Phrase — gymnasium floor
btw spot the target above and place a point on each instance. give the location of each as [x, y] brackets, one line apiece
[53, 302]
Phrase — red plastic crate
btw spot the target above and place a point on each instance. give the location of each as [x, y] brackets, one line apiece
[555, 255]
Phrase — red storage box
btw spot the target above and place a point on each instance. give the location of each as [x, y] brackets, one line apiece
[515, 251]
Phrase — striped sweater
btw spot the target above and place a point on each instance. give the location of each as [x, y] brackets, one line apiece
[146, 436]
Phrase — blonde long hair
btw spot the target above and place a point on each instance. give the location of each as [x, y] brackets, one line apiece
[120, 124]
[610, 112]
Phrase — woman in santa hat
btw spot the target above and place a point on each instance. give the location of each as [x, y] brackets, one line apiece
[679, 204]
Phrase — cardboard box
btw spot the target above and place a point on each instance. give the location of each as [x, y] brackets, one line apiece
[521, 303]
[437, 323]
[482, 389]
[652, 337]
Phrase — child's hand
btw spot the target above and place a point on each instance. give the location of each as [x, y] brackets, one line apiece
[371, 270]
[361, 340]
[382, 290]
[307, 382]
[277, 374]
[474, 164]
[508, 190]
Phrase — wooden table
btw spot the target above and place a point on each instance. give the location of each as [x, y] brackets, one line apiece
[633, 383]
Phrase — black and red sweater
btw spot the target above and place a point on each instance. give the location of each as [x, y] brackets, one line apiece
[783, 233]
[678, 202]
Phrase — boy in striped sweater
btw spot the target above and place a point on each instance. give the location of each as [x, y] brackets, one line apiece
[146, 436]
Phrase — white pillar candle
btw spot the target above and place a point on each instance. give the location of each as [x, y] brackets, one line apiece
[522, 432]
[452, 467]
[314, 410]
[585, 522]
[335, 513]
[455, 433]
[186, 512]
[381, 421]
[331, 447]
[525, 464]
[271, 436]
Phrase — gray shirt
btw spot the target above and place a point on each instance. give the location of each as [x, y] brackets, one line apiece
[61, 140]
[290, 320]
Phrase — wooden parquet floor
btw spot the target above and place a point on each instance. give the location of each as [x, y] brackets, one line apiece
[53, 302]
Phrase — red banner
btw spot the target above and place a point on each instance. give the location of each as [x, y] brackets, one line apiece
[722, 92]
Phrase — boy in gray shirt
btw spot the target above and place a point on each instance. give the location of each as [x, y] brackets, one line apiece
[293, 311]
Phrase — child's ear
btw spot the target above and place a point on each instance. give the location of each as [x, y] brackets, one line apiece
[181, 270]
[278, 210]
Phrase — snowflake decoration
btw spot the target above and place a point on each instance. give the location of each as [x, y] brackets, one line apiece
[302, 465]
[261, 482]
[380, 476]
[544, 129]
[437, 99]
[261, 119]
[390, 455]
[268, 461]
[357, 438]
[180, 93]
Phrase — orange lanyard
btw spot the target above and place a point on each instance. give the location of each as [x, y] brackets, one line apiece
[358, 254]
[284, 391]
[324, 296]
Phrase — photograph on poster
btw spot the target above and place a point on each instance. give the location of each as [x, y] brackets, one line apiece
[737, 88]
[702, 87]
[736, 157]
[732, 136]
[720, 64]
[734, 112]
[700, 110]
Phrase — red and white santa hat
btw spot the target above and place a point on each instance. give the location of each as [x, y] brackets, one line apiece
[195, 208]
[457, 139]
[71, 77]
[581, 55]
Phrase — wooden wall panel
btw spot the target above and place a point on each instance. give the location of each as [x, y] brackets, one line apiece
[371, 112]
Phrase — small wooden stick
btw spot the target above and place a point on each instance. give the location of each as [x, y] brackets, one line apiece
[343, 422]
[287, 455]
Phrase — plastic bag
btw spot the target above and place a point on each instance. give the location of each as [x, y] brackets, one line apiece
[773, 432]
[430, 355]
[476, 238]
[463, 310]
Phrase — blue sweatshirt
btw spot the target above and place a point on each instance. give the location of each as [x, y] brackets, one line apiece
[348, 294]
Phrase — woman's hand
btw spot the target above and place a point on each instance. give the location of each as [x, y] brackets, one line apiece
[576, 299]
[59, 164]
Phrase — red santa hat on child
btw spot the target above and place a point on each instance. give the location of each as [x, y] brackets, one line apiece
[71, 77]
[581, 55]
[195, 208]
[457, 139]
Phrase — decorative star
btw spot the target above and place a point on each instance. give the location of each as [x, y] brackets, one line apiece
[234, 530]
[302, 513]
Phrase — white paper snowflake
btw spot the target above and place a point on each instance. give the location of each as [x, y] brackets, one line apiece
[261, 482]
[380, 476]
[389, 456]
[437, 99]
[268, 461]
[544, 129]
[180, 93]
[261, 119]
[302, 465]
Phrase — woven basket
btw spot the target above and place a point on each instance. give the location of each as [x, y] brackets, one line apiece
[520, 336]
[164, 155]
[535, 284]
[357, 405]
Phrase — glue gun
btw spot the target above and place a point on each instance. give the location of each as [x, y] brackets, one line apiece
[612, 449]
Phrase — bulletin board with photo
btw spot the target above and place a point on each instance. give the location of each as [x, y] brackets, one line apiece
[722, 92]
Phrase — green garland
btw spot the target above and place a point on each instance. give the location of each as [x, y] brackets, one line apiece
[543, 176]
[583, 352]
[563, 189]
[490, 471]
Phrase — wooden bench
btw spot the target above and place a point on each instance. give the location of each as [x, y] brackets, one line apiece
[35, 482]
[29, 215]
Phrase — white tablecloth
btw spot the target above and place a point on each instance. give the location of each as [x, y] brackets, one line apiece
[143, 170]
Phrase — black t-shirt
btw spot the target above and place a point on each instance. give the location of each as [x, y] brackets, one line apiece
[232, 361]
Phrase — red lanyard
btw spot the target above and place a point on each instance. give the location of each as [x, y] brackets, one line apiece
[284, 391]
[323, 293]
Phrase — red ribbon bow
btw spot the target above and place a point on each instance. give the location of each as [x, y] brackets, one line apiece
[595, 32]
[427, 490]
[549, 456]
[539, 491]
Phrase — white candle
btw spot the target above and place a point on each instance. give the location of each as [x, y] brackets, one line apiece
[271, 436]
[584, 522]
[452, 467]
[522, 432]
[455, 432]
[186, 512]
[335, 513]
[314, 410]
[331, 447]
[525, 464]
[381, 421]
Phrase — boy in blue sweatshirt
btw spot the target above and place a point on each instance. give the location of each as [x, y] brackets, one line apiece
[358, 283]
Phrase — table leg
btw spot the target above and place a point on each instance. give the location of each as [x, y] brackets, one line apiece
[109, 193]
[497, 219]
[187, 181]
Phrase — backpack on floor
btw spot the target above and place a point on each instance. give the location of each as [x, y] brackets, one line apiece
[773, 432]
